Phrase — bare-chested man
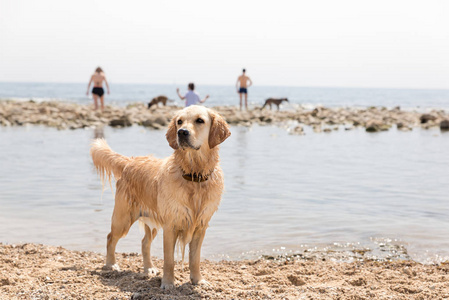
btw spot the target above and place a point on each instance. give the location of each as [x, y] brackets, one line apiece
[98, 92]
[242, 85]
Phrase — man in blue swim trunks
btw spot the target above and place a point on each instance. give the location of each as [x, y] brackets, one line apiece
[242, 85]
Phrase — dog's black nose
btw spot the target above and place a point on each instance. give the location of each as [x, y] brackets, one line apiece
[183, 132]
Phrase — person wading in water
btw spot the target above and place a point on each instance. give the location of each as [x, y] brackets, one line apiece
[242, 85]
[98, 92]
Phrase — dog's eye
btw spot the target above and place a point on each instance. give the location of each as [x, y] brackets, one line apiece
[199, 120]
[179, 122]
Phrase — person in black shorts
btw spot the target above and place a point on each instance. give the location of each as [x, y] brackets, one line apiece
[242, 85]
[98, 92]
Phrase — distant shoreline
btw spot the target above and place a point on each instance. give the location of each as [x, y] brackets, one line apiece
[68, 115]
[232, 85]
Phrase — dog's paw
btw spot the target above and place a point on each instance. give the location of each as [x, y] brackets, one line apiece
[151, 271]
[201, 282]
[113, 267]
[167, 285]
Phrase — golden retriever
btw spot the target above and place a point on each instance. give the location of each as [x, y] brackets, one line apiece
[178, 194]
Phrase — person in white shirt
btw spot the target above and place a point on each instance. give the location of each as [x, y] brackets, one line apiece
[191, 97]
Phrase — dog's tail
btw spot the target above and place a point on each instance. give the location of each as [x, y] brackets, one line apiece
[106, 161]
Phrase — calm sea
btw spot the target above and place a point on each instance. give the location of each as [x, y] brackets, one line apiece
[338, 190]
[122, 94]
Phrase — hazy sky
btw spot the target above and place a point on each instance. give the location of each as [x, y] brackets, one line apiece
[352, 43]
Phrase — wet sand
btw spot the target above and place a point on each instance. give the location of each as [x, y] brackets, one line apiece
[63, 115]
[30, 271]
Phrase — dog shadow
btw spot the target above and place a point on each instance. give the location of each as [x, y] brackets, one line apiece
[144, 286]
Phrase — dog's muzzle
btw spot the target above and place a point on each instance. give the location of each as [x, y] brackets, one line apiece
[183, 138]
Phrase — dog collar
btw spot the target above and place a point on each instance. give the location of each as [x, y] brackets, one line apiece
[195, 177]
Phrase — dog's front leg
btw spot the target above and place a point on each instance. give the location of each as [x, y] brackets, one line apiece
[195, 256]
[168, 278]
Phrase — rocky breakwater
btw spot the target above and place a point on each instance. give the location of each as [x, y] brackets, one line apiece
[323, 119]
[64, 115]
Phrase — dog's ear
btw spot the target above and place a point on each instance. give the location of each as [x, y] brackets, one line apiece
[219, 129]
[171, 134]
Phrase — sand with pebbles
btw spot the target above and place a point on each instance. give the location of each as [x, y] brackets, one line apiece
[30, 271]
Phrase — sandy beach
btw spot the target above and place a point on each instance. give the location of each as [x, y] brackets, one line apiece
[30, 271]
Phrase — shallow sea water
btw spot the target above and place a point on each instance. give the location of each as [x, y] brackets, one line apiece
[123, 94]
[326, 192]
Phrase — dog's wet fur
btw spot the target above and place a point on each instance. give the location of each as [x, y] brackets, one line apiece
[154, 191]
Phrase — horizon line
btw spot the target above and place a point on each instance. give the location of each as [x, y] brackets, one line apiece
[225, 85]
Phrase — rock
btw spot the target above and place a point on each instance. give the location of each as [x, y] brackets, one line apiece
[44, 110]
[5, 123]
[297, 130]
[444, 125]
[384, 127]
[426, 118]
[233, 119]
[296, 280]
[147, 123]
[327, 130]
[315, 112]
[157, 126]
[409, 272]
[373, 126]
[122, 121]
[357, 282]
[317, 129]
[161, 121]
[4, 281]
[266, 119]
[376, 125]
